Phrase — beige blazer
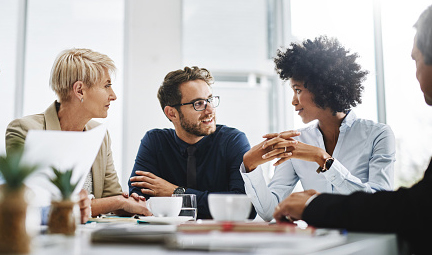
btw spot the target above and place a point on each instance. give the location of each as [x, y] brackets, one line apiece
[105, 179]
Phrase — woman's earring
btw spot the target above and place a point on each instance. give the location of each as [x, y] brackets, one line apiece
[82, 99]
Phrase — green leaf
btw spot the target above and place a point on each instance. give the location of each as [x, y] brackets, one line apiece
[13, 172]
[62, 180]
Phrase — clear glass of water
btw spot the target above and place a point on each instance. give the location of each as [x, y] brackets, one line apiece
[189, 206]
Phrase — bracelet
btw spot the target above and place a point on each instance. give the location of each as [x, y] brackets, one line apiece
[91, 197]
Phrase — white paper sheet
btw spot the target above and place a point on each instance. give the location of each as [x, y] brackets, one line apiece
[259, 242]
[63, 150]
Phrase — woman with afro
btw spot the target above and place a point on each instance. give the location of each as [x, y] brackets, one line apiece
[340, 153]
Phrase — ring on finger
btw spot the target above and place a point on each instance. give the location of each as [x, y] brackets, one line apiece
[285, 149]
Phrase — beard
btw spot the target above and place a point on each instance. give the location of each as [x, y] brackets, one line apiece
[195, 128]
[428, 100]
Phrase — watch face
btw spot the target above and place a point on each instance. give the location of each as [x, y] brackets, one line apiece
[328, 163]
[179, 190]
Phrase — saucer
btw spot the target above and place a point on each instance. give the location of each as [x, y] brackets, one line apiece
[164, 220]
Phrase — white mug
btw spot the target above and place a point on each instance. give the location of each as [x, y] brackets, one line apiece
[165, 206]
[229, 207]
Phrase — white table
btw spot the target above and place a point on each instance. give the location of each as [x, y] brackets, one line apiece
[355, 243]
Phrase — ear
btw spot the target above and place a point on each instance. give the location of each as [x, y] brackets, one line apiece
[78, 88]
[171, 113]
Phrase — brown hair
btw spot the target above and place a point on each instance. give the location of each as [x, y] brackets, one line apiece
[169, 92]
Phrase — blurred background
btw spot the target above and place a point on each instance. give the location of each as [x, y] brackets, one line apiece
[236, 40]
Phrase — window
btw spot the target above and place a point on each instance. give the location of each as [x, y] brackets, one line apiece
[351, 22]
[53, 26]
[8, 60]
[236, 45]
[407, 113]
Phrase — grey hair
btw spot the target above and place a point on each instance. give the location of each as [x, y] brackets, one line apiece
[424, 35]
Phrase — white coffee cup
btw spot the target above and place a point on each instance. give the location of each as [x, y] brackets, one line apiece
[165, 206]
[229, 207]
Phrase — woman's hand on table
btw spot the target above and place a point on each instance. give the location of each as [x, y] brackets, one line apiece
[133, 206]
[84, 205]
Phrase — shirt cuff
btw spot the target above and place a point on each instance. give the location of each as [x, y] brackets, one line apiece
[310, 199]
[256, 175]
[335, 174]
[242, 168]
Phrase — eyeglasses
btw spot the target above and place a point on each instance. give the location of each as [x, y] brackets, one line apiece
[201, 104]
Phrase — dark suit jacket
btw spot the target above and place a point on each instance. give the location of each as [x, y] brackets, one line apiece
[407, 212]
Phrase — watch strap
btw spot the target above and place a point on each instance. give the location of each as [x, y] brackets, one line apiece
[179, 190]
[327, 164]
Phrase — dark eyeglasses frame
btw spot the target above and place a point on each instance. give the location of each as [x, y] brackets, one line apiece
[206, 102]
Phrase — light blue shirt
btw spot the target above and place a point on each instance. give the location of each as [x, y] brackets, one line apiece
[364, 161]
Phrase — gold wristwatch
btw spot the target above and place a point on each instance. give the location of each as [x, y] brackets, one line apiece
[327, 164]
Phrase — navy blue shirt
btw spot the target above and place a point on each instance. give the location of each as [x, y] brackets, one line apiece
[218, 158]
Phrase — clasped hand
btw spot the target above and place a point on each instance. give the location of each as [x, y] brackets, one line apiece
[284, 147]
[275, 145]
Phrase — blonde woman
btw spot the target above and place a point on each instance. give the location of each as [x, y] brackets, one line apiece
[81, 78]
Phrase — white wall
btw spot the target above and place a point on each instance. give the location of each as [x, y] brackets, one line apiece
[152, 49]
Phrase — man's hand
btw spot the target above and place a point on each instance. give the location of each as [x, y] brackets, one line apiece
[152, 185]
[293, 206]
[84, 205]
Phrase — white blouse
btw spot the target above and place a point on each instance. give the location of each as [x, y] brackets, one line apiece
[364, 161]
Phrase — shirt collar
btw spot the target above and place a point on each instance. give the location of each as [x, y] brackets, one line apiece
[348, 120]
[51, 117]
[182, 144]
[346, 123]
[205, 142]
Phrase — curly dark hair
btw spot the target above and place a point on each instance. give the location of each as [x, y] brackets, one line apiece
[327, 69]
[169, 92]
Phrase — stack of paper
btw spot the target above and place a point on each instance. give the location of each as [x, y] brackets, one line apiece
[61, 149]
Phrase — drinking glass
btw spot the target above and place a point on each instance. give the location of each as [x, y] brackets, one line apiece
[189, 206]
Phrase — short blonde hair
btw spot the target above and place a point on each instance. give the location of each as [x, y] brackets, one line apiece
[74, 65]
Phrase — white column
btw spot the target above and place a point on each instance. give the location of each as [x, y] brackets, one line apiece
[20, 60]
[153, 47]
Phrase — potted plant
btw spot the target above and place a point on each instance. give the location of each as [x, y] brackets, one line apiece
[62, 219]
[13, 206]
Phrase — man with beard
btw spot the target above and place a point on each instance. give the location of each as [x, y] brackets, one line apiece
[197, 156]
[406, 211]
